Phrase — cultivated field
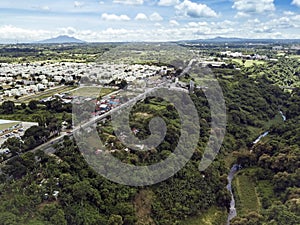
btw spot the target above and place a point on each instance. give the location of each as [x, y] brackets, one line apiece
[247, 199]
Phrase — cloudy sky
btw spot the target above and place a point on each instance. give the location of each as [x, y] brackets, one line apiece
[148, 20]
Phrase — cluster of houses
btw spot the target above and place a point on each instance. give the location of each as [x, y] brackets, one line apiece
[107, 104]
[29, 78]
[106, 73]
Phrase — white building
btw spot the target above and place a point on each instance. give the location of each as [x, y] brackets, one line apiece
[40, 87]
[57, 78]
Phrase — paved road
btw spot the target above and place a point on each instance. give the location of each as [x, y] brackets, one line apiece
[187, 68]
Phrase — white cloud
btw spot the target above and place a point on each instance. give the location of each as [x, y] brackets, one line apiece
[296, 2]
[224, 24]
[202, 24]
[68, 31]
[111, 31]
[46, 8]
[9, 32]
[129, 2]
[78, 4]
[191, 9]
[296, 18]
[155, 17]
[241, 15]
[168, 2]
[288, 13]
[173, 23]
[199, 24]
[192, 24]
[114, 17]
[263, 29]
[43, 8]
[141, 16]
[254, 6]
[284, 24]
[254, 21]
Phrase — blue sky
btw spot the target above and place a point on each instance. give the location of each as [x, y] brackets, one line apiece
[148, 20]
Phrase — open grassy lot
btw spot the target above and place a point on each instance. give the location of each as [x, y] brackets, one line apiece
[44, 94]
[92, 91]
[246, 196]
[249, 63]
[214, 216]
[7, 125]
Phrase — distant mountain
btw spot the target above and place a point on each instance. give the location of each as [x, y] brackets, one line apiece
[243, 40]
[61, 39]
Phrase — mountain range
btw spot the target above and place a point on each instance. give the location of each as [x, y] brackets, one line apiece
[243, 40]
[67, 39]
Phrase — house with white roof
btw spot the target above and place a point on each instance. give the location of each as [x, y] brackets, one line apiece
[7, 93]
[57, 78]
[23, 91]
[51, 84]
[45, 81]
[68, 78]
[15, 92]
[33, 88]
[41, 87]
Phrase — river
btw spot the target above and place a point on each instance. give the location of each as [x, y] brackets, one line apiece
[282, 115]
[267, 132]
[234, 169]
[232, 210]
[260, 137]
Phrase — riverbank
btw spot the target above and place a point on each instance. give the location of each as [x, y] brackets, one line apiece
[246, 198]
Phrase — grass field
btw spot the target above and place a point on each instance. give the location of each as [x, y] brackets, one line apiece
[246, 195]
[214, 216]
[7, 125]
[249, 63]
[44, 94]
[92, 91]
